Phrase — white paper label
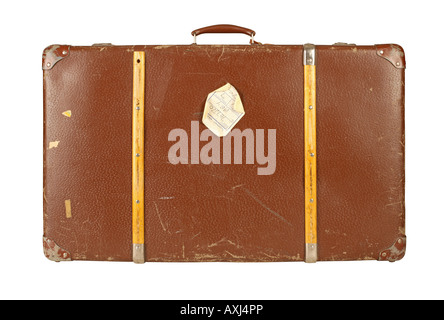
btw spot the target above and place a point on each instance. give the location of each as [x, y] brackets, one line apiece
[223, 109]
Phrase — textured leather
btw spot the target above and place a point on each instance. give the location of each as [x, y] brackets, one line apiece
[224, 212]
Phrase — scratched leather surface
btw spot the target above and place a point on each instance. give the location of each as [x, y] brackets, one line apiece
[224, 212]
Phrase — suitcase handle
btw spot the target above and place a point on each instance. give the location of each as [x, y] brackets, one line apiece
[224, 28]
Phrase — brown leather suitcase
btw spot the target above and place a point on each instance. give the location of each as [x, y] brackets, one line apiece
[253, 152]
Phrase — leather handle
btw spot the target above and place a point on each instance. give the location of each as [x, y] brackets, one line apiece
[223, 28]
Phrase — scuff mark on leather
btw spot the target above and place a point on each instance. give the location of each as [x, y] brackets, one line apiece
[221, 241]
[220, 57]
[166, 198]
[53, 144]
[67, 113]
[234, 256]
[160, 219]
[162, 47]
[44, 196]
[68, 210]
[264, 206]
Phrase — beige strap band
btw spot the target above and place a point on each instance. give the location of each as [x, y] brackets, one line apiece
[138, 156]
[311, 246]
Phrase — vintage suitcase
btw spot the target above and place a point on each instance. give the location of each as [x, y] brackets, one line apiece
[253, 152]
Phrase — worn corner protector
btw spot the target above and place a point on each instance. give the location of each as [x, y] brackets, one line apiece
[392, 53]
[396, 252]
[53, 54]
[53, 252]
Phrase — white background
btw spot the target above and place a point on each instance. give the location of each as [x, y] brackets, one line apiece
[27, 27]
